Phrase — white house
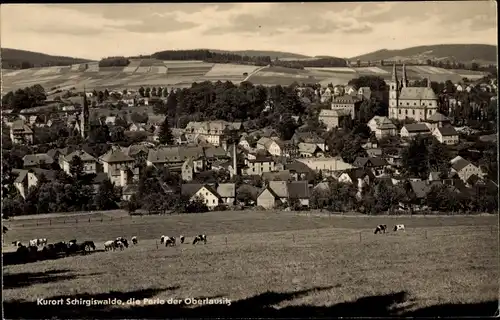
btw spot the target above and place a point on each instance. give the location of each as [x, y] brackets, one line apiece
[465, 169]
[446, 135]
[414, 129]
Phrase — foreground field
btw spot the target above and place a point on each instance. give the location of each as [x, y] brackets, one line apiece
[267, 265]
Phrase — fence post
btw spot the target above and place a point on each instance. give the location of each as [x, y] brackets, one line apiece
[425, 234]
[360, 236]
[50, 222]
[226, 241]
[76, 220]
[293, 238]
[156, 244]
[89, 220]
[101, 219]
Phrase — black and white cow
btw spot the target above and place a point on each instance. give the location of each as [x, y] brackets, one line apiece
[199, 238]
[170, 241]
[162, 239]
[182, 238]
[399, 227]
[134, 240]
[17, 243]
[42, 242]
[381, 228]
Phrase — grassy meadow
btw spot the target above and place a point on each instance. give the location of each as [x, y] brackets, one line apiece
[266, 264]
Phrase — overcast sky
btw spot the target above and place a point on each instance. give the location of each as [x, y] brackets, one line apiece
[338, 29]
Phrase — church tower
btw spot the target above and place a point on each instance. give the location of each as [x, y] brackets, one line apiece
[84, 117]
[405, 80]
[393, 93]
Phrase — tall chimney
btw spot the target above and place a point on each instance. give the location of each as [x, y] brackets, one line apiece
[235, 168]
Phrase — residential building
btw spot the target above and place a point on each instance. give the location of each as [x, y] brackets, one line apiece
[227, 193]
[382, 127]
[310, 150]
[210, 131]
[283, 192]
[438, 120]
[375, 164]
[465, 169]
[328, 166]
[121, 168]
[413, 130]
[332, 118]
[446, 135]
[410, 102]
[187, 170]
[348, 103]
[21, 133]
[30, 178]
[89, 161]
[37, 160]
[258, 164]
[202, 192]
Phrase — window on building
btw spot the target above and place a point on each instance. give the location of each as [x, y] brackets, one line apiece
[413, 112]
[399, 111]
[407, 103]
[406, 111]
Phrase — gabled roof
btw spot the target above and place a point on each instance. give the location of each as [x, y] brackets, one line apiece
[227, 190]
[49, 174]
[416, 127]
[307, 147]
[437, 117]
[374, 161]
[115, 155]
[322, 186]
[447, 131]
[83, 155]
[189, 189]
[459, 164]
[359, 173]
[282, 175]
[279, 188]
[298, 167]
[37, 159]
[417, 93]
[21, 175]
[345, 99]
[298, 190]
[420, 188]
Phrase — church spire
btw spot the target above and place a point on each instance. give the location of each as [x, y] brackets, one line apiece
[84, 116]
[394, 74]
[405, 80]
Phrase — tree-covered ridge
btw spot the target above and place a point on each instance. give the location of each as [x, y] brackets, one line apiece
[22, 59]
[114, 62]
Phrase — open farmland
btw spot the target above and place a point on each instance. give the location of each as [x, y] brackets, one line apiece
[303, 265]
[149, 72]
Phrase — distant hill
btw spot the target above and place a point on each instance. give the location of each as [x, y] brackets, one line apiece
[465, 53]
[259, 53]
[22, 59]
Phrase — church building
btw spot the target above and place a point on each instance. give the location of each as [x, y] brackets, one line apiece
[410, 102]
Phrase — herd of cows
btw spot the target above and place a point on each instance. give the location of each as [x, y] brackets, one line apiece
[63, 248]
[382, 228]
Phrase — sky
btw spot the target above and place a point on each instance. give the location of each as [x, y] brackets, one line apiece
[94, 31]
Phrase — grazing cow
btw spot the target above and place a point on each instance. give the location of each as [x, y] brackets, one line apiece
[33, 243]
[169, 241]
[88, 245]
[380, 228]
[120, 244]
[399, 227]
[199, 238]
[22, 251]
[134, 240]
[110, 245]
[182, 238]
[33, 249]
[162, 239]
[17, 243]
[61, 247]
[71, 242]
[41, 242]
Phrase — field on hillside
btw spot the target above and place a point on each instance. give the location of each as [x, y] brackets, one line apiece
[303, 265]
[149, 72]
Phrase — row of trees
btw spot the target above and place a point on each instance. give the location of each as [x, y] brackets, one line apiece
[382, 197]
[114, 62]
[316, 63]
[210, 56]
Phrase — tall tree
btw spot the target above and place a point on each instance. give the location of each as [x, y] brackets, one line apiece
[166, 136]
